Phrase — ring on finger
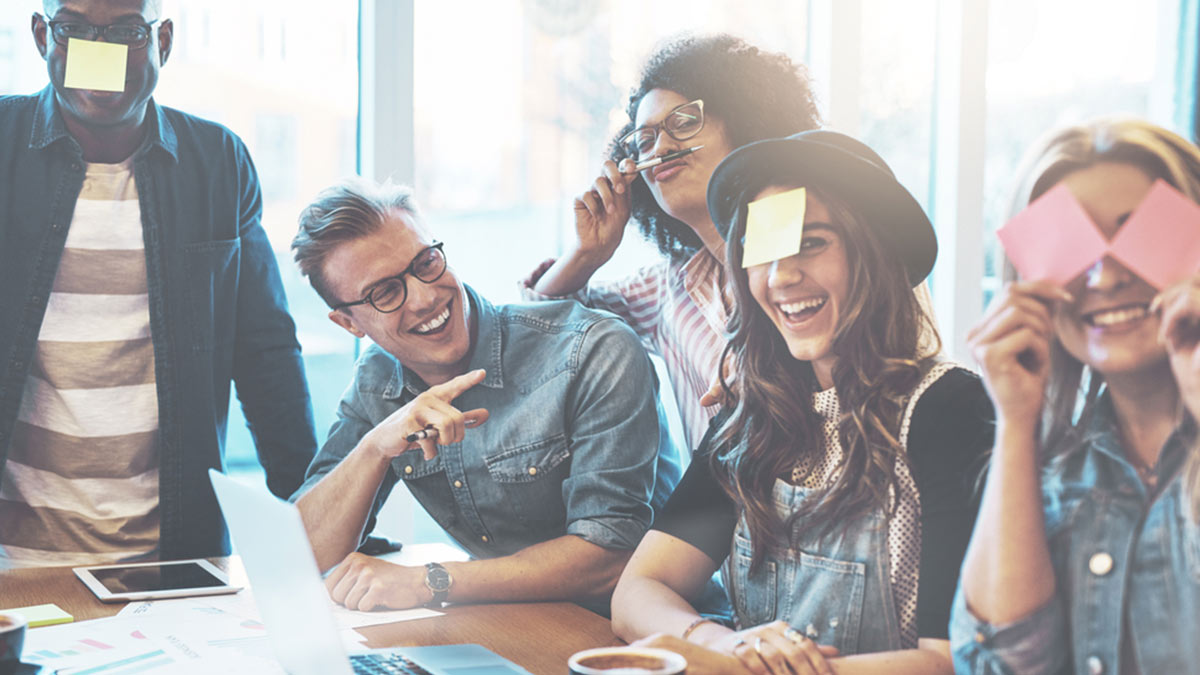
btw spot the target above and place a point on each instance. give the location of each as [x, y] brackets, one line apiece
[758, 646]
[794, 635]
[740, 642]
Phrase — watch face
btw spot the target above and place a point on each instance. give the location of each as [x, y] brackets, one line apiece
[437, 579]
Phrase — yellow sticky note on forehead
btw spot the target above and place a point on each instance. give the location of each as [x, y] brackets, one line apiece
[95, 65]
[774, 227]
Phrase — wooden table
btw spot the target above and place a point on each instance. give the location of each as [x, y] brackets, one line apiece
[537, 636]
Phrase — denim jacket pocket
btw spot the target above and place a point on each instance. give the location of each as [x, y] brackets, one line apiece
[411, 465]
[531, 479]
[753, 593]
[828, 600]
[211, 268]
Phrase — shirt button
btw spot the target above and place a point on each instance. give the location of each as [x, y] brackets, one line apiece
[1100, 564]
[811, 631]
[18, 365]
[980, 638]
[484, 538]
[833, 622]
[458, 483]
[408, 469]
[533, 471]
[1094, 665]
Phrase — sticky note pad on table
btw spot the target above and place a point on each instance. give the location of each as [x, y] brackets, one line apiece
[774, 227]
[41, 615]
[95, 65]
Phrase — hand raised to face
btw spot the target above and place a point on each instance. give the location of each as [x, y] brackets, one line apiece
[1180, 333]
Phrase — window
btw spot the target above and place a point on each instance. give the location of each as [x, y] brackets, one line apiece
[298, 118]
[1060, 63]
[513, 115]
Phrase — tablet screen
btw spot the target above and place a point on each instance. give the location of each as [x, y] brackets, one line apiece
[164, 577]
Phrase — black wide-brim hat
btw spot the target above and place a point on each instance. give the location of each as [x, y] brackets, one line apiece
[841, 165]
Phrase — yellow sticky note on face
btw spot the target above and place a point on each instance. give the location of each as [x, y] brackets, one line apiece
[95, 65]
[774, 227]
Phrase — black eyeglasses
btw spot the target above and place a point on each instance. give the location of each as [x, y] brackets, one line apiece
[681, 124]
[388, 295]
[135, 35]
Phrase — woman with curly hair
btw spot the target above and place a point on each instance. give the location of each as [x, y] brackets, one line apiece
[717, 92]
[1086, 556]
[836, 493]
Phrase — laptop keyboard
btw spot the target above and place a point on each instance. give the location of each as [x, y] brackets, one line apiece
[385, 664]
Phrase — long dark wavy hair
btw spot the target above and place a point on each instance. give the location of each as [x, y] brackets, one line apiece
[1073, 389]
[773, 426]
[755, 93]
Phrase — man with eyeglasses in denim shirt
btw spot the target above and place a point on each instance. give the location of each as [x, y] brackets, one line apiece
[531, 433]
[136, 282]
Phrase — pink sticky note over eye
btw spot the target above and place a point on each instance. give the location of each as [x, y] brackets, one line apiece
[1053, 239]
[1161, 240]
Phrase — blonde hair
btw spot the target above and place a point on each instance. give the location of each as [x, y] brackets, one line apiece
[1161, 154]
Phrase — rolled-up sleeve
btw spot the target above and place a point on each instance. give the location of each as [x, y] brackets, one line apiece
[614, 439]
[1033, 645]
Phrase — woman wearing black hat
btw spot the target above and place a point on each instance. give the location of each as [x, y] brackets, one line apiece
[836, 493]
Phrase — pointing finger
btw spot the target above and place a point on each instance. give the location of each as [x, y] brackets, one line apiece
[448, 391]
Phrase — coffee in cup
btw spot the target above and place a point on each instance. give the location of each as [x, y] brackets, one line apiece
[626, 661]
[12, 638]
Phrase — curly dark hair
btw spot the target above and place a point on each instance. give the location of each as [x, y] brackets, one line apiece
[756, 94]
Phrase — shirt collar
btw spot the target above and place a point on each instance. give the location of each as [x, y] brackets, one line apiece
[1106, 439]
[49, 126]
[485, 352]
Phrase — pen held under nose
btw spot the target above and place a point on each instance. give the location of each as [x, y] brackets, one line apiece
[669, 157]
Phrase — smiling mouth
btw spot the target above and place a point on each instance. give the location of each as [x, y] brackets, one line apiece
[803, 310]
[1118, 316]
[434, 325]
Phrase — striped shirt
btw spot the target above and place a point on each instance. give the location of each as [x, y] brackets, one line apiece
[680, 314]
[81, 482]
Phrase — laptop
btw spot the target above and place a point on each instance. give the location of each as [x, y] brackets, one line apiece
[293, 602]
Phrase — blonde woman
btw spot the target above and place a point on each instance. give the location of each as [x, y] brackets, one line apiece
[1086, 555]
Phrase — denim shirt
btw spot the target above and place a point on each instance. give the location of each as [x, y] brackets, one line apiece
[571, 445]
[217, 308]
[1122, 556]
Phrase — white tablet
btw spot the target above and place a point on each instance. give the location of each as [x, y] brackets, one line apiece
[154, 580]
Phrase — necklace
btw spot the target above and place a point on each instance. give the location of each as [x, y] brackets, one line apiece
[1146, 473]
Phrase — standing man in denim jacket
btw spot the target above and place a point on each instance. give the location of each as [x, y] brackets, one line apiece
[531, 433]
[135, 283]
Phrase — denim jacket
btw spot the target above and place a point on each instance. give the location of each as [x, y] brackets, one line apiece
[571, 445]
[217, 308]
[1122, 556]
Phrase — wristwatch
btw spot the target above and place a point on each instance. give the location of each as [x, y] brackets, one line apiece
[438, 581]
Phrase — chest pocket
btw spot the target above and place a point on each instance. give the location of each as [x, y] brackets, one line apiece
[754, 593]
[830, 608]
[530, 479]
[211, 268]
